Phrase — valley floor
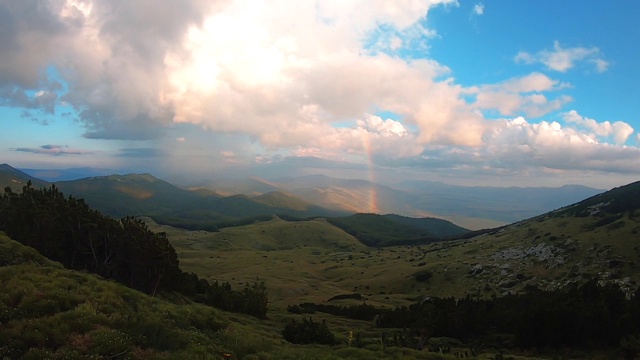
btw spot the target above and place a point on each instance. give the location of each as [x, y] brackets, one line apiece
[312, 261]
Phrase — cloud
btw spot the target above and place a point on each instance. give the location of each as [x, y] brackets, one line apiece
[25, 114]
[289, 87]
[478, 9]
[286, 81]
[516, 143]
[385, 128]
[513, 147]
[520, 95]
[30, 32]
[619, 130]
[140, 153]
[43, 100]
[113, 58]
[105, 125]
[365, 14]
[601, 65]
[135, 68]
[229, 157]
[562, 59]
[55, 150]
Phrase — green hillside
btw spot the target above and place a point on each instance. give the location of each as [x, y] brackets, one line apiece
[16, 179]
[287, 256]
[570, 269]
[583, 255]
[616, 201]
[387, 230]
[146, 195]
[47, 311]
[315, 260]
[547, 252]
[133, 194]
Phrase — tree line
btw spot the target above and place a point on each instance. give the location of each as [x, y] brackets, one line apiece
[67, 230]
[587, 316]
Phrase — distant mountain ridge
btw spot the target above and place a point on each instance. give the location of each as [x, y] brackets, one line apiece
[52, 175]
[469, 206]
[145, 195]
[312, 195]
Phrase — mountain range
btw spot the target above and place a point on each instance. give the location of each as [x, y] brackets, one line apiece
[146, 195]
[473, 207]
[312, 195]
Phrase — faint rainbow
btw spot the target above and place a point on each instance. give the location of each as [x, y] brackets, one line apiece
[373, 194]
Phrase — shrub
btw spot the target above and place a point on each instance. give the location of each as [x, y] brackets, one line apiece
[442, 344]
[308, 332]
[109, 343]
[423, 276]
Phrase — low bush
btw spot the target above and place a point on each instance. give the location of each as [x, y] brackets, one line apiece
[308, 332]
[422, 276]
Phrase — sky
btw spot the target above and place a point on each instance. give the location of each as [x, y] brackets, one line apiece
[502, 93]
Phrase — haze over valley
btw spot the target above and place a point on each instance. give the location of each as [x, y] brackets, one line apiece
[471, 207]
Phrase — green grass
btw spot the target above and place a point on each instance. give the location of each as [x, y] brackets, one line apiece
[48, 312]
[385, 230]
[312, 261]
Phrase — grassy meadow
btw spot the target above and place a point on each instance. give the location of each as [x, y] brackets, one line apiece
[312, 261]
[49, 312]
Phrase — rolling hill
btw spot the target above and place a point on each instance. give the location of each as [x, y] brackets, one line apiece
[387, 230]
[594, 240]
[597, 238]
[16, 179]
[51, 312]
[146, 195]
[48, 311]
[133, 194]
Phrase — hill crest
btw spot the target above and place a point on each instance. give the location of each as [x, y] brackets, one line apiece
[16, 179]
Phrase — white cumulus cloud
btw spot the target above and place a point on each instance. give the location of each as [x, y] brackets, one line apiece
[562, 59]
[619, 130]
[516, 143]
[521, 95]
